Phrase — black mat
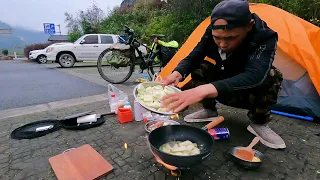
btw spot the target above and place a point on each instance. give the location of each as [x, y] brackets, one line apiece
[33, 130]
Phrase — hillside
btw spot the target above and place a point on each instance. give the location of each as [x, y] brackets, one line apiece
[128, 3]
[20, 37]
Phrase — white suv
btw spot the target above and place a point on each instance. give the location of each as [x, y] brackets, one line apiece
[86, 48]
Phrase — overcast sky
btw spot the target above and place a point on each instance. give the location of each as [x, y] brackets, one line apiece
[33, 13]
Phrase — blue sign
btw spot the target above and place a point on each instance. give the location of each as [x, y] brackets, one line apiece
[49, 28]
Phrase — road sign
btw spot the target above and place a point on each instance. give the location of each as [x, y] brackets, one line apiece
[49, 28]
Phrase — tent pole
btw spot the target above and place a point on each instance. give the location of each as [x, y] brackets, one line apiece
[306, 118]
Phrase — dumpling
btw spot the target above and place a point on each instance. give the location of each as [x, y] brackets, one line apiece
[166, 150]
[156, 105]
[185, 148]
[189, 147]
[179, 149]
[141, 89]
[168, 146]
[149, 89]
[148, 98]
[157, 87]
[168, 90]
[195, 151]
[185, 143]
[157, 94]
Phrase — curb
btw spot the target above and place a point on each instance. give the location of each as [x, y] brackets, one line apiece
[51, 106]
[55, 105]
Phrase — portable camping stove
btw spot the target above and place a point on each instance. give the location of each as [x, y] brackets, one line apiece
[177, 172]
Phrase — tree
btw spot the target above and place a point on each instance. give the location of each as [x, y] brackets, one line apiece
[74, 35]
[72, 23]
[85, 22]
[5, 52]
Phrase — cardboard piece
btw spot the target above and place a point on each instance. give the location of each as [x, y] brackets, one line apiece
[82, 163]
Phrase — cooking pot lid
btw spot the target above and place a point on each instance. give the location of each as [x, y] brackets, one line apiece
[35, 129]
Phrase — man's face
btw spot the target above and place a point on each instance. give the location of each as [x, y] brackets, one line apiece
[228, 40]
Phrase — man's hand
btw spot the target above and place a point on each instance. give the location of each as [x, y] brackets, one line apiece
[173, 79]
[179, 101]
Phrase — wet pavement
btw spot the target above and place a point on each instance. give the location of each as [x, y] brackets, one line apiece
[25, 83]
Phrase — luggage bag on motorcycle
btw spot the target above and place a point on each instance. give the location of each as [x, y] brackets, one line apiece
[167, 51]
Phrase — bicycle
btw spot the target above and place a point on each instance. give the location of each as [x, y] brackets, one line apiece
[123, 58]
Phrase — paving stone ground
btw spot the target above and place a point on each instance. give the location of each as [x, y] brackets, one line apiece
[28, 159]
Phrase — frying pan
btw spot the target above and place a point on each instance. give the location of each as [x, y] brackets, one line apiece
[165, 134]
[244, 163]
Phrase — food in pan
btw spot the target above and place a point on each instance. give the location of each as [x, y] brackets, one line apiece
[179, 148]
[151, 96]
[256, 159]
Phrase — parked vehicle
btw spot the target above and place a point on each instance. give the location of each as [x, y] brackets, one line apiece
[86, 48]
[38, 55]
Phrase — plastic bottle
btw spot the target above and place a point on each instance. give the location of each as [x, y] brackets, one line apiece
[113, 103]
[127, 105]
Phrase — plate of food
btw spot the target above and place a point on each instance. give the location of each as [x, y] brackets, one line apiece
[152, 125]
[149, 95]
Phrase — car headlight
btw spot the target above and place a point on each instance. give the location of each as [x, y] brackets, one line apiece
[49, 49]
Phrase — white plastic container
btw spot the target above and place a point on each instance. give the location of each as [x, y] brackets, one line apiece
[138, 111]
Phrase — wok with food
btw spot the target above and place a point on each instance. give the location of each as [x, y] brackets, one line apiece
[149, 95]
[180, 145]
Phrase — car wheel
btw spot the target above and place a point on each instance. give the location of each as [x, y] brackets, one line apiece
[42, 59]
[66, 60]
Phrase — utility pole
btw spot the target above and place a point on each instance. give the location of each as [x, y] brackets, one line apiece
[59, 29]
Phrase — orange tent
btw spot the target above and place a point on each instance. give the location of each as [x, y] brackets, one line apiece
[298, 53]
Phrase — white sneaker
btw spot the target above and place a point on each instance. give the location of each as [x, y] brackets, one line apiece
[203, 115]
[267, 136]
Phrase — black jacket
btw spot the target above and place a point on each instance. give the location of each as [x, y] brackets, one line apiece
[247, 67]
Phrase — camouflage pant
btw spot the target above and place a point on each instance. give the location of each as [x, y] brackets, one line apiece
[258, 100]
